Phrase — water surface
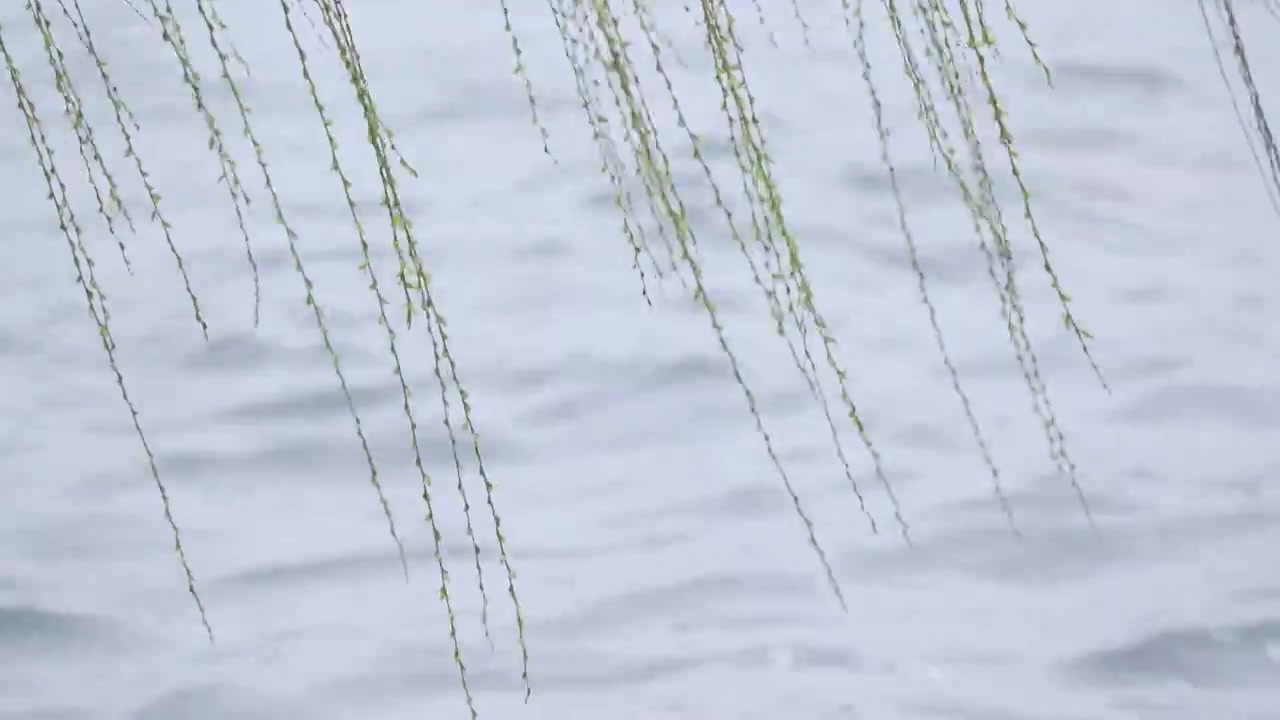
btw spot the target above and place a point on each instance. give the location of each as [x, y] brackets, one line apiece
[662, 570]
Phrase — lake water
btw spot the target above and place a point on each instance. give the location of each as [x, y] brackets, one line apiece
[662, 570]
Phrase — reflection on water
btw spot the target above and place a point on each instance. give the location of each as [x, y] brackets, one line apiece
[661, 568]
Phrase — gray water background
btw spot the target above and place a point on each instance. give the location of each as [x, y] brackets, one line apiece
[661, 568]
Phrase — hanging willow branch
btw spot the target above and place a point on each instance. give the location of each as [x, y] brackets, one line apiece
[1257, 129]
[945, 51]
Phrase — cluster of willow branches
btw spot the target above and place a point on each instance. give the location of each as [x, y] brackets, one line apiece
[50, 19]
[945, 51]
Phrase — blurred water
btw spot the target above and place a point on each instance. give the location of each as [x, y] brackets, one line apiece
[661, 568]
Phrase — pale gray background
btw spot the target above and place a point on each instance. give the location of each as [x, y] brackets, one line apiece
[663, 572]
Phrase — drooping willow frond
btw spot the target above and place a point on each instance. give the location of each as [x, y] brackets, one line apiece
[1257, 130]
